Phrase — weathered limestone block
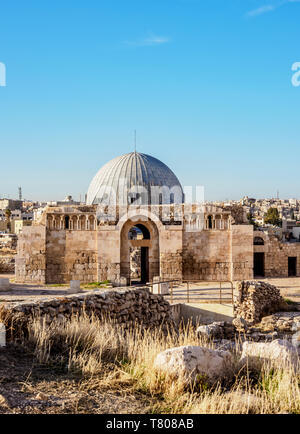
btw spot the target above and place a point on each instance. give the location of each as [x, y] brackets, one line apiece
[296, 341]
[74, 286]
[189, 362]
[214, 330]
[279, 351]
[240, 324]
[4, 285]
[2, 335]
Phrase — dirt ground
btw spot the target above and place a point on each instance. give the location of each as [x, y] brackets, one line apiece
[196, 292]
[26, 387]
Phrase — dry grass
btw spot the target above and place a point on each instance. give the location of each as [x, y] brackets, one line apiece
[108, 357]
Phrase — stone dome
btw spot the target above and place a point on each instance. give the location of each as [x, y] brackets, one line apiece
[137, 179]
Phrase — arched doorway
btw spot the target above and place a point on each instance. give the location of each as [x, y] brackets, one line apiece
[139, 251]
[139, 255]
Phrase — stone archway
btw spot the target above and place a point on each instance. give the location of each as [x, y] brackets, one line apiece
[148, 245]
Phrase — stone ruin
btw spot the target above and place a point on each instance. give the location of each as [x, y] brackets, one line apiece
[260, 314]
[7, 263]
[256, 299]
[124, 306]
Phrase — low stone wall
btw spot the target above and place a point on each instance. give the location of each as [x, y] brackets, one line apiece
[124, 306]
[255, 300]
[7, 264]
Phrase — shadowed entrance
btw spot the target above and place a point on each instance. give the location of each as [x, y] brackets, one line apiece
[139, 252]
[259, 264]
[139, 255]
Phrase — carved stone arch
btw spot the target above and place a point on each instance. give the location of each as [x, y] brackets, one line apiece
[149, 245]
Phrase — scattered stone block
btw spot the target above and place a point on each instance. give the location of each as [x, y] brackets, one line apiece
[2, 335]
[240, 324]
[190, 362]
[74, 287]
[122, 281]
[214, 330]
[296, 341]
[279, 351]
[4, 285]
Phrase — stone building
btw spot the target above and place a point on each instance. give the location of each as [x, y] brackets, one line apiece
[177, 240]
[275, 258]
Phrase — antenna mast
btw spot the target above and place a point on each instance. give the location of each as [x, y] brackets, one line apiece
[134, 140]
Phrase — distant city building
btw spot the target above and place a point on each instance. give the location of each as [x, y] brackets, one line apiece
[18, 225]
[67, 201]
[11, 204]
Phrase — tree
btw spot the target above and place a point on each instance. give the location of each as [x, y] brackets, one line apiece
[272, 217]
[251, 220]
[7, 217]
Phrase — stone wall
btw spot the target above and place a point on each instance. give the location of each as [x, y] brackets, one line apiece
[241, 252]
[108, 254]
[170, 252]
[94, 252]
[124, 306]
[276, 255]
[71, 255]
[206, 255]
[254, 300]
[31, 255]
[7, 264]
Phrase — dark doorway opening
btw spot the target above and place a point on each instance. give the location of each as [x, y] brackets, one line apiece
[67, 222]
[139, 265]
[292, 266]
[139, 254]
[144, 264]
[259, 264]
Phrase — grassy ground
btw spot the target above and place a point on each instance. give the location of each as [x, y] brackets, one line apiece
[91, 285]
[85, 366]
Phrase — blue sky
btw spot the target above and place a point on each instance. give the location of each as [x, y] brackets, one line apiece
[206, 84]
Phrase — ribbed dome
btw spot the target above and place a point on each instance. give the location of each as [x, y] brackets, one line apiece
[134, 178]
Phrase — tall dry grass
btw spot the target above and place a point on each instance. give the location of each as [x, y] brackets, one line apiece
[105, 352]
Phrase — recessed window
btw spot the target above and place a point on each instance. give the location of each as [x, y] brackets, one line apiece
[258, 241]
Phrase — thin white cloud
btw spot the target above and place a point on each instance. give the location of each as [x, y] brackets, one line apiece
[261, 10]
[149, 41]
[269, 8]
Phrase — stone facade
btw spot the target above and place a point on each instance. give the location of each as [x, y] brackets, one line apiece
[71, 256]
[89, 244]
[31, 259]
[276, 255]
